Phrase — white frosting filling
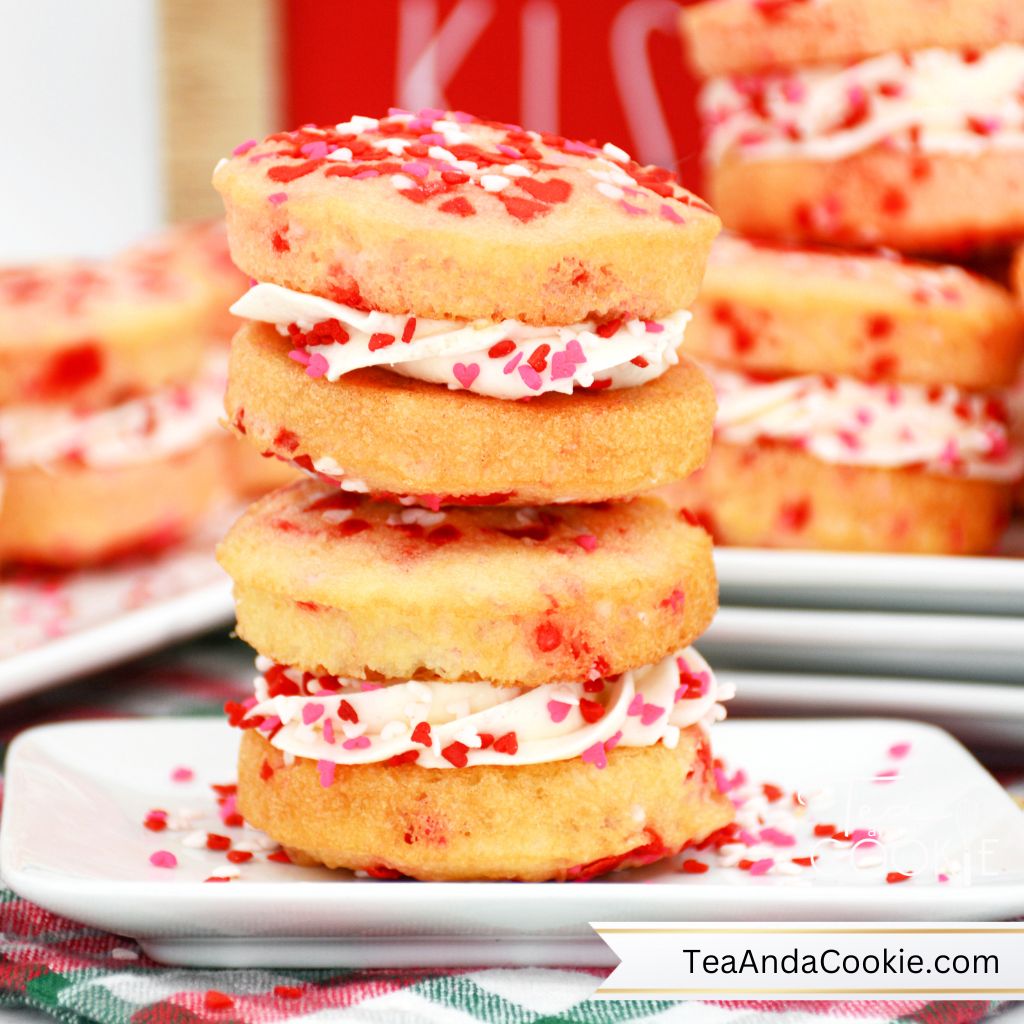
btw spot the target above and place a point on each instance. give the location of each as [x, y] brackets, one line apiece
[642, 707]
[163, 423]
[935, 100]
[503, 360]
[849, 422]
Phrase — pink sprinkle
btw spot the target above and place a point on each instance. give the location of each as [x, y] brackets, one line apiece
[762, 867]
[653, 327]
[311, 712]
[864, 416]
[651, 713]
[300, 355]
[667, 213]
[461, 117]
[777, 838]
[366, 687]
[595, 755]
[509, 151]
[587, 541]
[163, 859]
[632, 210]
[558, 709]
[433, 139]
[269, 724]
[636, 705]
[326, 770]
[229, 808]
[465, 375]
[317, 365]
[581, 148]
[531, 378]
[747, 837]
[416, 168]
[562, 366]
[244, 147]
[943, 877]
[365, 174]
[277, 198]
[613, 741]
[431, 114]
[899, 750]
[182, 775]
[513, 362]
[328, 731]
[886, 775]
[858, 835]
[950, 453]
[357, 743]
[315, 150]
[793, 90]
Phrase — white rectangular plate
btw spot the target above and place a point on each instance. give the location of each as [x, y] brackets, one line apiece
[840, 579]
[76, 795]
[985, 647]
[57, 626]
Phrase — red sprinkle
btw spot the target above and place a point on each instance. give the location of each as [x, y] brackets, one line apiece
[591, 710]
[239, 856]
[501, 348]
[897, 876]
[288, 991]
[548, 636]
[693, 867]
[379, 341]
[217, 842]
[421, 734]
[279, 857]
[507, 744]
[455, 753]
[214, 1000]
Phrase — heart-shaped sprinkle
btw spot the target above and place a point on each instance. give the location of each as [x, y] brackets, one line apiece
[346, 712]
[465, 375]
[667, 213]
[562, 366]
[612, 742]
[636, 705]
[317, 365]
[357, 743]
[591, 710]
[595, 755]
[507, 744]
[558, 710]
[651, 713]
[311, 712]
[455, 754]
[555, 190]
[421, 734]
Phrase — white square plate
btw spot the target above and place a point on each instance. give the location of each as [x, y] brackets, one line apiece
[76, 795]
[860, 579]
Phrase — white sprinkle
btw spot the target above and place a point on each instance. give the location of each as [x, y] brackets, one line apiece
[614, 152]
[469, 738]
[402, 183]
[336, 515]
[440, 153]
[396, 147]
[227, 872]
[869, 860]
[263, 663]
[357, 123]
[638, 814]
[393, 729]
[494, 182]
[194, 840]
[466, 165]
[289, 759]
[517, 171]
[609, 190]
[785, 867]
[353, 729]
[256, 843]
[341, 153]
[220, 163]
[353, 485]
[123, 953]
[671, 737]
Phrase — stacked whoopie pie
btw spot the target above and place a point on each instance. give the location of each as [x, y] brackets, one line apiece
[864, 122]
[859, 401]
[474, 655]
[108, 409]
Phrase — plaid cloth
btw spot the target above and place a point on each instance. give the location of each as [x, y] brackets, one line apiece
[80, 975]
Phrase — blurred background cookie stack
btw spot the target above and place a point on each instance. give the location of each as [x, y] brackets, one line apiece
[474, 656]
[862, 395]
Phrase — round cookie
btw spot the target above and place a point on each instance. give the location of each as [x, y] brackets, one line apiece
[94, 332]
[559, 821]
[448, 217]
[736, 36]
[330, 581]
[68, 515]
[778, 310]
[789, 499]
[934, 203]
[400, 436]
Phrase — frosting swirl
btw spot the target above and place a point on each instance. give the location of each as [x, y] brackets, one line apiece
[165, 422]
[934, 100]
[507, 359]
[445, 725]
[850, 422]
